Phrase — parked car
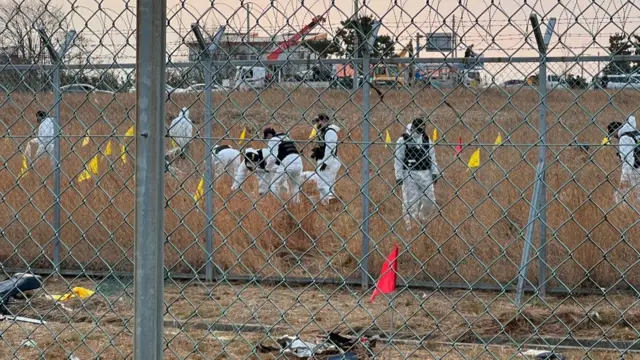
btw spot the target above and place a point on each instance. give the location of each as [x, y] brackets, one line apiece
[169, 89]
[195, 88]
[83, 88]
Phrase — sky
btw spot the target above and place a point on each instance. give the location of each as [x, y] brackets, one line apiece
[496, 27]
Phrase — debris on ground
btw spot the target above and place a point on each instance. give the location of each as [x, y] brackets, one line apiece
[544, 355]
[23, 319]
[79, 292]
[28, 343]
[15, 286]
[333, 346]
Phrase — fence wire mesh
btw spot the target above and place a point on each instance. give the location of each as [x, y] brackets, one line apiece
[515, 213]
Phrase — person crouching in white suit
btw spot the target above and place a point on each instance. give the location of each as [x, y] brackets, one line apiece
[44, 141]
[225, 160]
[181, 132]
[255, 161]
[417, 171]
[285, 159]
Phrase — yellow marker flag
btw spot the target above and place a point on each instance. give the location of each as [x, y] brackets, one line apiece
[313, 133]
[605, 141]
[123, 149]
[25, 166]
[243, 135]
[123, 154]
[173, 144]
[199, 191]
[85, 140]
[435, 134]
[94, 164]
[108, 150]
[130, 132]
[84, 175]
[498, 140]
[387, 139]
[474, 161]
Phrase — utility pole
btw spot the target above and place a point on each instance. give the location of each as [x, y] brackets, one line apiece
[248, 22]
[455, 38]
[356, 10]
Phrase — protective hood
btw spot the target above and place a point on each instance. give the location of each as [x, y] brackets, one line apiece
[333, 127]
[629, 126]
[250, 151]
[409, 128]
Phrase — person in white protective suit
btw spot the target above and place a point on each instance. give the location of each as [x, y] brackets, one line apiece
[44, 141]
[629, 152]
[255, 161]
[181, 132]
[326, 156]
[285, 161]
[417, 171]
[225, 160]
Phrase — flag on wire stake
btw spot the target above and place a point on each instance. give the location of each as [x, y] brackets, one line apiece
[25, 166]
[243, 135]
[458, 147]
[498, 140]
[313, 133]
[108, 150]
[91, 167]
[386, 283]
[605, 141]
[123, 148]
[199, 191]
[435, 135]
[474, 161]
[85, 139]
[387, 139]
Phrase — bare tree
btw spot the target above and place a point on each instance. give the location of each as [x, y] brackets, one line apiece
[18, 23]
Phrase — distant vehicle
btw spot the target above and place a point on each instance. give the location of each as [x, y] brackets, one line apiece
[622, 81]
[513, 83]
[553, 81]
[169, 89]
[250, 78]
[83, 88]
[196, 88]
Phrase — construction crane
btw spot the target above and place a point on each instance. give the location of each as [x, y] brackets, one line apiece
[295, 39]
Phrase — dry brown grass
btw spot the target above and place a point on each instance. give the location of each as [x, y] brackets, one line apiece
[478, 233]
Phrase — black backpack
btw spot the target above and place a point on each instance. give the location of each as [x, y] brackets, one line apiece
[635, 135]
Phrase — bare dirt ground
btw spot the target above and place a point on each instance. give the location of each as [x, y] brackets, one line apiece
[429, 323]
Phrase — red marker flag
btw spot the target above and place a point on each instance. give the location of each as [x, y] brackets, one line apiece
[459, 147]
[387, 282]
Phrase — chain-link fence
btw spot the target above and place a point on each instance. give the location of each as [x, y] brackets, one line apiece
[267, 171]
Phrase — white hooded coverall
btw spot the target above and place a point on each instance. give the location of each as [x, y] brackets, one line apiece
[245, 169]
[418, 193]
[325, 178]
[225, 159]
[630, 177]
[289, 169]
[180, 131]
[44, 141]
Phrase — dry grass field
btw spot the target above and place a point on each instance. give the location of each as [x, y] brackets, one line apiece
[477, 237]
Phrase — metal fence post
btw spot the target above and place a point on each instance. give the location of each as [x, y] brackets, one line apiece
[364, 186]
[149, 172]
[206, 56]
[539, 192]
[57, 57]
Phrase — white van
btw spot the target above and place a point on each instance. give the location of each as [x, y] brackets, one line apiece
[250, 78]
